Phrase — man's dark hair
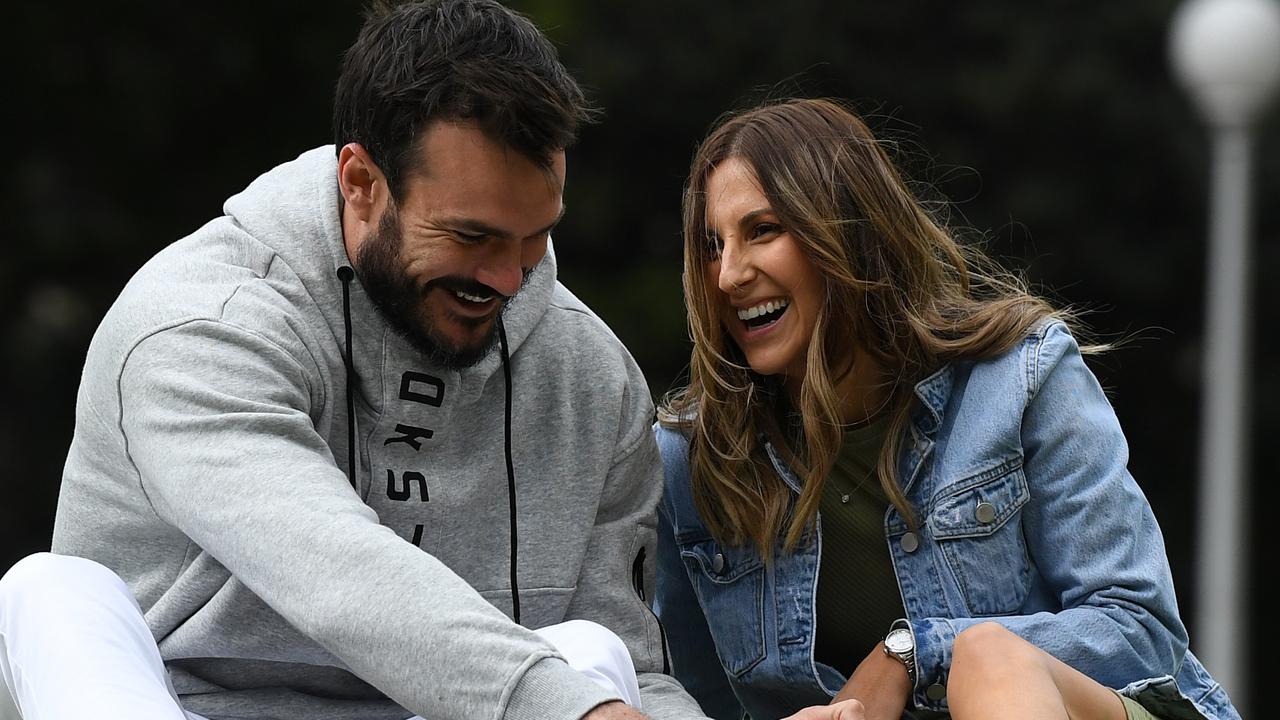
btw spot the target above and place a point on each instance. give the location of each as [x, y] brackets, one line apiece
[471, 60]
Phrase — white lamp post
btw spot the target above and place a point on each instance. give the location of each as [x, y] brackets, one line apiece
[1227, 54]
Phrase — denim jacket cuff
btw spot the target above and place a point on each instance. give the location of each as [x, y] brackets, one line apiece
[934, 638]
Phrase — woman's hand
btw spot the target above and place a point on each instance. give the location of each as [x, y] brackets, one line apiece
[881, 684]
[842, 710]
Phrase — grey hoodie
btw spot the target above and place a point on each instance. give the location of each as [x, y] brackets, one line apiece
[209, 469]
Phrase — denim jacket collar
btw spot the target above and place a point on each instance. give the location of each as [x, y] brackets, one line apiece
[780, 466]
[933, 391]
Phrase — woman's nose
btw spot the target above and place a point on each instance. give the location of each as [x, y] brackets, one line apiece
[735, 270]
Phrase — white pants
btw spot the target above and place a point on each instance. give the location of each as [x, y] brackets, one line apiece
[74, 645]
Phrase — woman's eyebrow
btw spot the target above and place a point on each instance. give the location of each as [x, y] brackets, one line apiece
[755, 215]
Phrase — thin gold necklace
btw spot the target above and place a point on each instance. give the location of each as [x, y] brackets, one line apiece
[847, 494]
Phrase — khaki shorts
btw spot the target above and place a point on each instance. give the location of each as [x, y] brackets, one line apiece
[1133, 710]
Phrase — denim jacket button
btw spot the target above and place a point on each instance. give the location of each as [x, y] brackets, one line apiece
[717, 563]
[935, 692]
[910, 542]
[985, 512]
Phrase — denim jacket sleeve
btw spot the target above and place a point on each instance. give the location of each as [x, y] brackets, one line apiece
[1089, 532]
[693, 656]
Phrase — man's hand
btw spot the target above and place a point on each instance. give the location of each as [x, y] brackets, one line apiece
[615, 710]
[881, 683]
[839, 710]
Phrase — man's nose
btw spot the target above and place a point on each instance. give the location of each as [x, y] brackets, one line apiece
[503, 267]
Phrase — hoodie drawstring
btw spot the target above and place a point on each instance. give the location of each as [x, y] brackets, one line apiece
[511, 473]
[346, 274]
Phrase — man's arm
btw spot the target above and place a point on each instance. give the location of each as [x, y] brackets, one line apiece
[217, 421]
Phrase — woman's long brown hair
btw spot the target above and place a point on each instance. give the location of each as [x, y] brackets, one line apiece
[898, 287]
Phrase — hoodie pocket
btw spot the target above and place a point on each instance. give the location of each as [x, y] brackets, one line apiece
[637, 574]
[729, 583]
[979, 531]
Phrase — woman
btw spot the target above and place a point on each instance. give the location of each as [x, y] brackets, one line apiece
[892, 477]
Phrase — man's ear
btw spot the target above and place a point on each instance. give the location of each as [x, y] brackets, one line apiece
[361, 182]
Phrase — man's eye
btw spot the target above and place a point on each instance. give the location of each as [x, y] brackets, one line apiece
[469, 238]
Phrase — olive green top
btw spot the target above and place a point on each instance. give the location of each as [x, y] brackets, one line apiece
[858, 595]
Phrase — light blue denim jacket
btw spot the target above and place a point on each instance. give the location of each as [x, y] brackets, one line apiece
[1072, 560]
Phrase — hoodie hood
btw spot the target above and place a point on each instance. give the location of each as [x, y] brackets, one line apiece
[293, 208]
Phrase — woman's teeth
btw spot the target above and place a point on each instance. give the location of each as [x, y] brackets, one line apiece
[762, 309]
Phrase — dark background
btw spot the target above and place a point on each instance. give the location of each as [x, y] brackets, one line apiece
[1055, 127]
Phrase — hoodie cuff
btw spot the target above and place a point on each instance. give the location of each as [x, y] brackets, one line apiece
[552, 689]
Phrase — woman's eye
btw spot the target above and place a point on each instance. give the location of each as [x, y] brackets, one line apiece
[765, 230]
[713, 247]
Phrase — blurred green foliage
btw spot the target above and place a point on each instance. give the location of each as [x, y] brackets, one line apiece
[1055, 127]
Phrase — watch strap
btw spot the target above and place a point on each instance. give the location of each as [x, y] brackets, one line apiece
[907, 657]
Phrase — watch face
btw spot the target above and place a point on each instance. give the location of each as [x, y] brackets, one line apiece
[899, 640]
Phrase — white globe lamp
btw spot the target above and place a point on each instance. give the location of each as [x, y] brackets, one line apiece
[1227, 54]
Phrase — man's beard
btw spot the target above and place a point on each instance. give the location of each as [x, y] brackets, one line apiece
[403, 306]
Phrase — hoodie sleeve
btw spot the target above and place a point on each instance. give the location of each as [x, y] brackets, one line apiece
[217, 422]
[616, 582]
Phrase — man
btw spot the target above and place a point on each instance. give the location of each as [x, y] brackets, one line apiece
[339, 438]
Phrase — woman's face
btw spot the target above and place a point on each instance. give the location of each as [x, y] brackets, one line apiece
[766, 290]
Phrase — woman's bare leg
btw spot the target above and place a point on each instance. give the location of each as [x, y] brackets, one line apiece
[995, 674]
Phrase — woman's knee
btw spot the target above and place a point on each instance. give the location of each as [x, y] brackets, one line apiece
[987, 647]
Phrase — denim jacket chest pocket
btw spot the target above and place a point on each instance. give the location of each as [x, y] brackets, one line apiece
[977, 524]
[729, 583]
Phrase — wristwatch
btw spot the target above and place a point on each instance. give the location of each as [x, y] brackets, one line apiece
[900, 644]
